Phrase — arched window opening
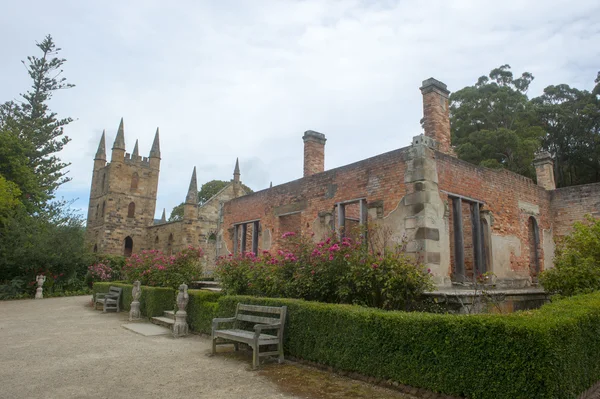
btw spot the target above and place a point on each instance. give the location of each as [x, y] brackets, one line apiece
[95, 248]
[131, 210]
[103, 181]
[97, 209]
[212, 237]
[134, 180]
[103, 208]
[128, 246]
[156, 243]
[534, 248]
[170, 245]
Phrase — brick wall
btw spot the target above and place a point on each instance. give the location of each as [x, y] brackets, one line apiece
[509, 198]
[571, 204]
[379, 179]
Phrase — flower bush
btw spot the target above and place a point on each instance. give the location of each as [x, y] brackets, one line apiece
[154, 268]
[334, 271]
[100, 272]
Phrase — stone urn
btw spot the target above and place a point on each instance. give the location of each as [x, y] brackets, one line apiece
[136, 292]
[180, 328]
[39, 292]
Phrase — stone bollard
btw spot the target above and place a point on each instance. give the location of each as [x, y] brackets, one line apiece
[136, 292]
[41, 279]
[180, 328]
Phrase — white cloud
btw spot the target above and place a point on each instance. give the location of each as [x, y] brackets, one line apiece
[246, 78]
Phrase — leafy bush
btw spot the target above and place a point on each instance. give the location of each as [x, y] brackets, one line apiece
[333, 271]
[577, 261]
[154, 268]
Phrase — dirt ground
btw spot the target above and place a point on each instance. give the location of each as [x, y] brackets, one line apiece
[62, 348]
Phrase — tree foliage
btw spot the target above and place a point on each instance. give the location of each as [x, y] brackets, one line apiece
[207, 191]
[38, 234]
[31, 134]
[495, 124]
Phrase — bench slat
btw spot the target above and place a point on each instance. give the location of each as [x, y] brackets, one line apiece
[257, 319]
[260, 309]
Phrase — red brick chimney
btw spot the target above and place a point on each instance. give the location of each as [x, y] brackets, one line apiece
[314, 152]
[544, 170]
[436, 115]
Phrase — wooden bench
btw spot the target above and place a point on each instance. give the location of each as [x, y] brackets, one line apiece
[264, 318]
[110, 300]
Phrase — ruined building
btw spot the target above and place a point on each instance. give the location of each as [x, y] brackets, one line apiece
[123, 202]
[459, 219]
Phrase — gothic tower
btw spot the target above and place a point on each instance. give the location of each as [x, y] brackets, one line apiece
[122, 197]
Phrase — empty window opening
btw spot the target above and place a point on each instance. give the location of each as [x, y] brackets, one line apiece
[470, 245]
[128, 246]
[103, 208]
[95, 248]
[131, 210]
[170, 245]
[534, 248]
[351, 218]
[245, 237]
[97, 210]
[134, 180]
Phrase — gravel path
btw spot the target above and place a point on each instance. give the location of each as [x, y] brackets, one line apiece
[60, 348]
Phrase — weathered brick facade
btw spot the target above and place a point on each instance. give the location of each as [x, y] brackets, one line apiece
[458, 218]
[123, 202]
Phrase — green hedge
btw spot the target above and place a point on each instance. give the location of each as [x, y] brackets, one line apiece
[553, 352]
[202, 308]
[153, 302]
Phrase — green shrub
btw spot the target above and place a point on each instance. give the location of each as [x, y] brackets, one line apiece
[577, 261]
[552, 352]
[202, 308]
[153, 302]
[332, 271]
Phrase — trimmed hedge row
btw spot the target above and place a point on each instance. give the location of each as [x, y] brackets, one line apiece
[552, 352]
[153, 302]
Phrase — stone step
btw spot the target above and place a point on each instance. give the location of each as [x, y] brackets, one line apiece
[213, 289]
[170, 314]
[206, 284]
[163, 321]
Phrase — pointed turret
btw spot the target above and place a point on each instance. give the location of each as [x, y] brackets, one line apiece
[155, 152]
[120, 139]
[236, 171]
[192, 195]
[118, 149]
[136, 152]
[101, 152]
[190, 207]
[163, 218]
[271, 185]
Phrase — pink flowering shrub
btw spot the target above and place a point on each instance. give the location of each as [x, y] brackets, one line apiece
[334, 271]
[100, 272]
[154, 268]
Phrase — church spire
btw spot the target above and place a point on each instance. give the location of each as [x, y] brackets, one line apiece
[236, 171]
[136, 152]
[192, 195]
[155, 151]
[101, 152]
[163, 218]
[120, 139]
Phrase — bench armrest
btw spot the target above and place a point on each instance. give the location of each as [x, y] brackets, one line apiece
[100, 295]
[216, 321]
[259, 327]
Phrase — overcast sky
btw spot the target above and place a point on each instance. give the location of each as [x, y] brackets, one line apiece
[225, 79]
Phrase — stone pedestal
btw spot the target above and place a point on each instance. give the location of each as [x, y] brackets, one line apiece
[134, 312]
[39, 293]
[180, 328]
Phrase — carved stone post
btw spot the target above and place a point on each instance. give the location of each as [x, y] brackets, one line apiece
[41, 279]
[136, 292]
[180, 328]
